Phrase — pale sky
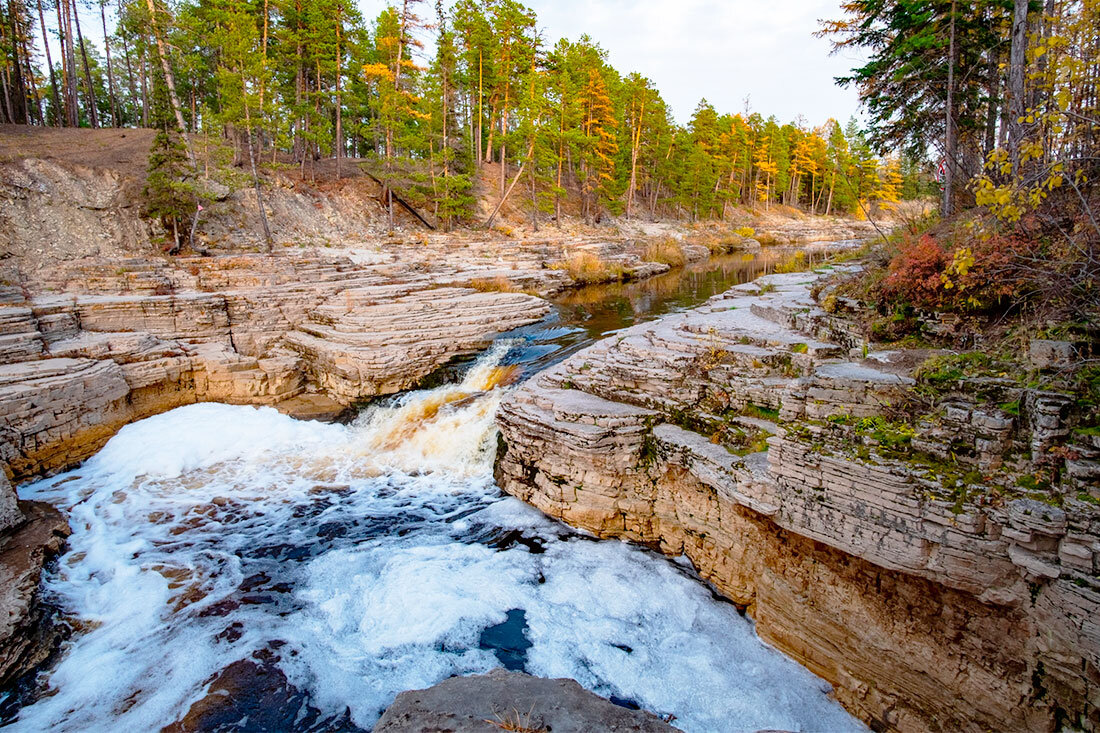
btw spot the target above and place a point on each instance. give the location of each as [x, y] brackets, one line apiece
[723, 50]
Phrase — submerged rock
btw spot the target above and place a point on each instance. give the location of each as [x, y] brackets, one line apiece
[503, 700]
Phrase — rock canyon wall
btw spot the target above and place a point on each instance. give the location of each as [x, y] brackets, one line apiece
[900, 561]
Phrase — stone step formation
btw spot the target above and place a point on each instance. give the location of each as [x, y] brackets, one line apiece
[903, 563]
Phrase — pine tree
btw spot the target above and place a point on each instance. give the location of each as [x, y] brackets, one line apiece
[170, 194]
[600, 146]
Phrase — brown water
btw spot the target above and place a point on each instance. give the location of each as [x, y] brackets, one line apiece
[583, 316]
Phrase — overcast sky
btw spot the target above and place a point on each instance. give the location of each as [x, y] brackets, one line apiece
[723, 50]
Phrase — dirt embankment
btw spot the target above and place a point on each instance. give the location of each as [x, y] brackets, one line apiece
[76, 194]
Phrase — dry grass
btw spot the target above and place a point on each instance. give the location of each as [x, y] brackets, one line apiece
[498, 284]
[798, 262]
[722, 241]
[517, 722]
[587, 268]
[667, 251]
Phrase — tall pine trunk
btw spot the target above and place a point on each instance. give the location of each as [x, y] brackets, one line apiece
[93, 114]
[1017, 62]
[170, 81]
[19, 90]
[49, 62]
[636, 143]
[950, 143]
[338, 144]
[68, 64]
[252, 163]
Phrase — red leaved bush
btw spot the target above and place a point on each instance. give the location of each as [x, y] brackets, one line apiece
[914, 276]
[991, 272]
[1000, 271]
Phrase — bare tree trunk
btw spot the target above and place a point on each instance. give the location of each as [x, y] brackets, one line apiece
[480, 104]
[512, 185]
[994, 77]
[34, 85]
[339, 142]
[255, 173]
[126, 57]
[534, 198]
[8, 114]
[110, 71]
[1017, 61]
[49, 62]
[949, 146]
[19, 90]
[561, 161]
[170, 82]
[144, 91]
[636, 143]
[68, 63]
[93, 114]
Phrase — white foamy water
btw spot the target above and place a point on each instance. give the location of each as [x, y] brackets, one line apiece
[362, 561]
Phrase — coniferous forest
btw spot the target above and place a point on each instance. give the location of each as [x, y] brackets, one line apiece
[420, 98]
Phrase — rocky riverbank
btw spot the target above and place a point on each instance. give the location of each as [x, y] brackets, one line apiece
[904, 562]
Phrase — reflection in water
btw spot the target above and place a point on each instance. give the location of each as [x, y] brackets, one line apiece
[583, 316]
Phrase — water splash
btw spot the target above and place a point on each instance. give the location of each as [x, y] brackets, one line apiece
[232, 562]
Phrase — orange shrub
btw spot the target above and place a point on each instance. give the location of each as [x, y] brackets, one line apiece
[915, 273]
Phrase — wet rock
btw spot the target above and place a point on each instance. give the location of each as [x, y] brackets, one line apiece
[27, 635]
[489, 703]
[255, 695]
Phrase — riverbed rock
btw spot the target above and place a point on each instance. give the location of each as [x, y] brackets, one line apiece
[27, 635]
[504, 700]
[901, 563]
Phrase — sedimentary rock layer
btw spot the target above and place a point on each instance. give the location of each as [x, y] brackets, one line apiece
[289, 331]
[27, 634]
[744, 436]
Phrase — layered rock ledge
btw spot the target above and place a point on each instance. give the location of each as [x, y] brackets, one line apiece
[901, 563]
[307, 334]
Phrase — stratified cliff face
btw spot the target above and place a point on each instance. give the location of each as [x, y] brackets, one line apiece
[899, 562]
[288, 331]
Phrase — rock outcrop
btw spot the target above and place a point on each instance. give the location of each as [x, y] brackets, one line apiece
[288, 331]
[903, 562]
[27, 634]
[503, 700]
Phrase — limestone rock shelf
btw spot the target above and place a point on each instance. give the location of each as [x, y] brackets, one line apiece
[743, 435]
[306, 334]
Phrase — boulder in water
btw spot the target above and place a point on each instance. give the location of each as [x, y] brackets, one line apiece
[503, 700]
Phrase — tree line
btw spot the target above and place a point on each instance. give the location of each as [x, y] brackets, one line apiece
[302, 81]
[1005, 92]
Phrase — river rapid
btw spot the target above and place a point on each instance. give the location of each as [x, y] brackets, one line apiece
[231, 568]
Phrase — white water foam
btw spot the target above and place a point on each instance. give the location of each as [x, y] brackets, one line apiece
[371, 556]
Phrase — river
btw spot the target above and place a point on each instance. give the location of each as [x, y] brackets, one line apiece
[233, 568]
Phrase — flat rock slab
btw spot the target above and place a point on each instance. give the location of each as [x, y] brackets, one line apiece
[319, 407]
[487, 703]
